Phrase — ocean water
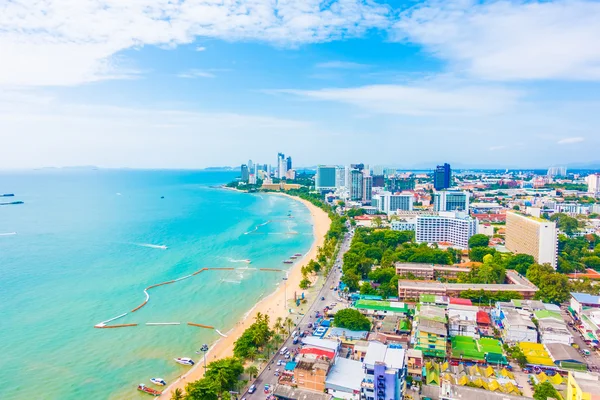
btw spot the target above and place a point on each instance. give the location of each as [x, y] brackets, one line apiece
[86, 247]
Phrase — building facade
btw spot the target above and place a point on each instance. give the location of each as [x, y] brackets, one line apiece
[454, 228]
[533, 236]
[244, 173]
[388, 202]
[451, 201]
[442, 177]
[356, 185]
[326, 178]
[281, 165]
[367, 189]
[593, 182]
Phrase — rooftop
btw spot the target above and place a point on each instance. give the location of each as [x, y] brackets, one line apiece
[345, 373]
[290, 393]
[378, 352]
[585, 298]
[377, 305]
[563, 352]
[318, 342]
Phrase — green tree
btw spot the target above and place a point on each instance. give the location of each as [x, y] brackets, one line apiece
[477, 253]
[289, 324]
[520, 263]
[537, 272]
[304, 283]
[177, 394]
[252, 371]
[366, 288]
[202, 389]
[479, 240]
[554, 288]
[351, 319]
[377, 221]
[565, 223]
[225, 372]
[545, 391]
[351, 279]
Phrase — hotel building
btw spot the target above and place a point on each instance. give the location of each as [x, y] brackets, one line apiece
[533, 236]
[450, 227]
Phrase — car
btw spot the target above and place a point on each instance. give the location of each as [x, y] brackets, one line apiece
[266, 388]
[287, 355]
[280, 363]
[575, 345]
[276, 372]
[252, 389]
[322, 298]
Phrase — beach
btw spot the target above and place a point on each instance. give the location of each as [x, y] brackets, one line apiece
[271, 305]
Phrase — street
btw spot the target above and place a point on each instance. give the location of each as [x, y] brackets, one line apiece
[267, 376]
[593, 360]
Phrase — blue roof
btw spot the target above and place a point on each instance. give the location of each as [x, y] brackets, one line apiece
[585, 298]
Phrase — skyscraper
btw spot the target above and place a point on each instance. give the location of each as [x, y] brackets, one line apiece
[593, 182]
[325, 178]
[367, 189]
[451, 201]
[281, 165]
[556, 171]
[356, 185]
[289, 162]
[250, 166]
[442, 177]
[244, 172]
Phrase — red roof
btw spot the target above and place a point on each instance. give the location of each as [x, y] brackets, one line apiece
[317, 352]
[589, 273]
[490, 217]
[460, 302]
[483, 318]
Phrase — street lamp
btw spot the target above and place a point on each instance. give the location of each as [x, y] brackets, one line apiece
[285, 293]
[204, 349]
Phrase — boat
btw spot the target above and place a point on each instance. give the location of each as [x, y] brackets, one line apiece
[298, 254]
[143, 388]
[184, 360]
[288, 261]
[293, 257]
[158, 381]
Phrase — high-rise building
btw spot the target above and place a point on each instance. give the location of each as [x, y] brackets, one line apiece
[593, 182]
[250, 166]
[281, 165]
[385, 368]
[340, 177]
[377, 170]
[252, 179]
[533, 236]
[442, 177]
[367, 189]
[244, 173]
[288, 161]
[451, 201]
[356, 185]
[326, 178]
[397, 184]
[451, 227]
[556, 171]
[378, 181]
[388, 202]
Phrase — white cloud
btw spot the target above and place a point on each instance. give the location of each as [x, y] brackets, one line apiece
[69, 42]
[509, 40]
[196, 73]
[496, 148]
[341, 65]
[200, 48]
[571, 140]
[417, 100]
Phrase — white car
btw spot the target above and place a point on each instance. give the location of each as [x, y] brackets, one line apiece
[280, 363]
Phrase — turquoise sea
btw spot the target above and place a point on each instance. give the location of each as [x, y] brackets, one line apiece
[81, 250]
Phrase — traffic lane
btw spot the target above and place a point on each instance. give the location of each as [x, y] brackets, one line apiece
[267, 375]
[593, 360]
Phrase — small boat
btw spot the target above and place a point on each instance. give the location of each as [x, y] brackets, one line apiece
[293, 257]
[288, 261]
[298, 254]
[158, 381]
[143, 388]
[184, 360]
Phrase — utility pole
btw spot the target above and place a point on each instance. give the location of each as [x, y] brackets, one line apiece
[204, 349]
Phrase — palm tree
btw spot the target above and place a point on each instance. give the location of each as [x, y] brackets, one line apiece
[259, 316]
[251, 353]
[289, 324]
[269, 347]
[278, 324]
[177, 394]
[277, 339]
[252, 371]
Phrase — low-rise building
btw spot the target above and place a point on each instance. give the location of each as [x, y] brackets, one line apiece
[583, 386]
[385, 372]
[565, 356]
[345, 378]
[430, 331]
[414, 364]
[579, 301]
[462, 321]
[429, 272]
[515, 328]
[310, 373]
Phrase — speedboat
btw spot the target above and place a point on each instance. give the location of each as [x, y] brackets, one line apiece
[184, 360]
[288, 262]
[143, 388]
[158, 381]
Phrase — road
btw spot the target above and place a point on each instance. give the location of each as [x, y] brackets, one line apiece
[267, 375]
[593, 360]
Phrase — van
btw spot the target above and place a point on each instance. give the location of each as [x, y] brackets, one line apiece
[282, 352]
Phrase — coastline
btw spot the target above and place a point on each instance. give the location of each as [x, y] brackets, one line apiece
[271, 305]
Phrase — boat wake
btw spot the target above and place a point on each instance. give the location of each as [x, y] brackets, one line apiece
[257, 227]
[8, 234]
[152, 246]
[247, 261]
[231, 281]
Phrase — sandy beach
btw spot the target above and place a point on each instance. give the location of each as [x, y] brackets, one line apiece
[272, 305]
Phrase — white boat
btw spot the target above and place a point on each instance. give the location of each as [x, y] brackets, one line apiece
[158, 381]
[184, 360]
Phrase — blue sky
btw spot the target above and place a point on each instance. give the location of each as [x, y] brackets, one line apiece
[194, 83]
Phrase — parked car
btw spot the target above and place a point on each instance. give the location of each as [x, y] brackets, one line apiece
[266, 388]
[277, 372]
[280, 363]
[252, 389]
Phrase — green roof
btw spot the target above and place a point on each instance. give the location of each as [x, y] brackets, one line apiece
[381, 306]
[427, 298]
[404, 325]
[541, 314]
[517, 302]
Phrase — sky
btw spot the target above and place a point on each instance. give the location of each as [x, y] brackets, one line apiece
[198, 83]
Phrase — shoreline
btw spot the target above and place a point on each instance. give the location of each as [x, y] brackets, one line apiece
[271, 305]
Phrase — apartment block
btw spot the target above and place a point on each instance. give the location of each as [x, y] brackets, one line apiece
[533, 236]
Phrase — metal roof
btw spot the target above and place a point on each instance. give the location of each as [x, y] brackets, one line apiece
[585, 298]
[345, 374]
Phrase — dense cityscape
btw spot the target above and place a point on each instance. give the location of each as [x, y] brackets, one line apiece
[443, 284]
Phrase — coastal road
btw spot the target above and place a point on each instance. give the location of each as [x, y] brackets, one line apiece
[267, 376]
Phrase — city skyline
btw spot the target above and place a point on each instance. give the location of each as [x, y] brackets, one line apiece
[198, 84]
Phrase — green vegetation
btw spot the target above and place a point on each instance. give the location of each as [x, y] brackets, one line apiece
[384, 247]
[567, 186]
[479, 240]
[553, 286]
[565, 223]
[351, 319]
[545, 391]
[477, 253]
[576, 254]
[516, 354]
[220, 377]
[254, 338]
[485, 297]
[492, 270]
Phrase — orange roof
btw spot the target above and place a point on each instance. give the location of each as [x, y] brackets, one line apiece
[589, 273]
